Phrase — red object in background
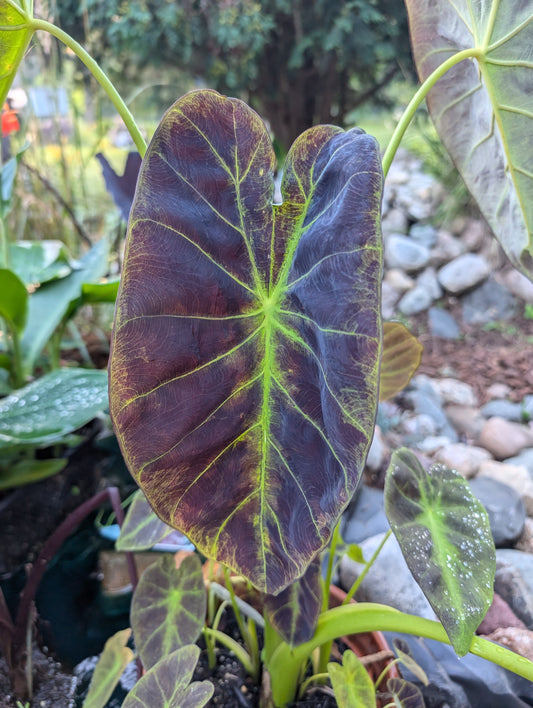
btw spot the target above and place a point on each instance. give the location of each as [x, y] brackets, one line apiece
[10, 122]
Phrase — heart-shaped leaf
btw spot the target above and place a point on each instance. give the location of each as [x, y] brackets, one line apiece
[351, 683]
[15, 35]
[37, 262]
[294, 611]
[445, 537]
[141, 529]
[482, 107]
[108, 670]
[168, 683]
[403, 652]
[46, 410]
[402, 353]
[405, 694]
[168, 608]
[244, 366]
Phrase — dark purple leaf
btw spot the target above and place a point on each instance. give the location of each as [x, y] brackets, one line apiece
[122, 187]
[245, 357]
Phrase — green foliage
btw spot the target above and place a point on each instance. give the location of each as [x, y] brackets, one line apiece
[108, 670]
[351, 683]
[298, 63]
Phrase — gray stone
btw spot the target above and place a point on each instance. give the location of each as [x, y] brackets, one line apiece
[424, 233]
[515, 476]
[498, 390]
[399, 280]
[488, 303]
[389, 299]
[389, 580]
[503, 409]
[378, 452]
[524, 459]
[448, 247]
[394, 221]
[466, 420]
[428, 280]
[463, 273]
[365, 517]
[416, 300]
[452, 390]
[514, 582]
[442, 324]
[402, 252]
[518, 284]
[505, 508]
[474, 234]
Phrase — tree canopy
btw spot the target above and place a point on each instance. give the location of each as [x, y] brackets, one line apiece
[298, 63]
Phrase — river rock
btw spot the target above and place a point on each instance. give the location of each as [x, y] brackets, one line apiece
[442, 324]
[416, 300]
[505, 508]
[518, 284]
[394, 221]
[402, 252]
[365, 516]
[504, 438]
[503, 408]
[388, 581]
[463, 273]
[466, 420]
[488, 303]
[498, 390]
[465, 459]
[455, 392]
[447, 248]
[499, 615]
[516, 639]
[515, 476]
[399, 280]
[389, 298]
[429, 281]
[525, 542]
[378, 452]
[425, 234]
[525, 459]
[514, 582]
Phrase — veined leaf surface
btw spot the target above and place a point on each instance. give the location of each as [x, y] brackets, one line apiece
[482, 108]
[245, 357]
[15, 35]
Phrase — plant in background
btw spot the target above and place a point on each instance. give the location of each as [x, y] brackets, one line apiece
[244, 375]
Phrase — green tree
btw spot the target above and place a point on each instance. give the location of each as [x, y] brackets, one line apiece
[297, 62]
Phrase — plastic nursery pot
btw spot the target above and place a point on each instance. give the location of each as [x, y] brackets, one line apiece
[366, 645]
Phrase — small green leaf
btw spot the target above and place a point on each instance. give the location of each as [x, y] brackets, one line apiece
[351, 683]
[355, 553]
[51, 407]
[294, 611]
[13, 300]
[141, 529]
[445, 537]
[15, 35]
[100, 292]
[401, 357]
[110, 667]
[23, 472]
[37, 262]
[167, 684]
[405, 694]
[168, 608]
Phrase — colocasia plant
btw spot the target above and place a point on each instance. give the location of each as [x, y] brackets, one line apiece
[245, 366]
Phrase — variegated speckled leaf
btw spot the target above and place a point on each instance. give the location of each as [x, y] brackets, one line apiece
[483, 107]
[445, 537]
[245, 353]
[168, 607]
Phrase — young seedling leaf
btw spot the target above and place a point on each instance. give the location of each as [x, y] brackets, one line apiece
[15, 35]
[141, 529]
[168, 684]
[445, 537]
[355, 553]
[108, 670]
[13, 301]
[351, 683]
[403, 653]
[402, 353]
[51, 407]
[482, 107]
[294, 611]
[168, 608]
[405, 694]
[245, 354]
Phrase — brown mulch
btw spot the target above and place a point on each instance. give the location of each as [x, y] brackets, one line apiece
[499, 352]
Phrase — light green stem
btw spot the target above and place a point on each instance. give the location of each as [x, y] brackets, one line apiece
[417, 99]
[99, 75]
[240, 653]
[367, 567]
[285, 662]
